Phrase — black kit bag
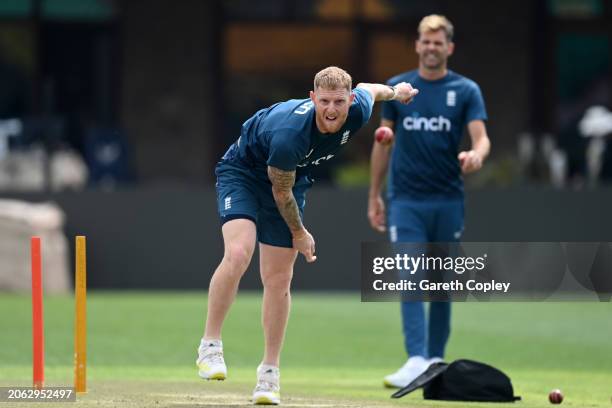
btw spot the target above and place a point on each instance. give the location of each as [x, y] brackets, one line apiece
[462, 380]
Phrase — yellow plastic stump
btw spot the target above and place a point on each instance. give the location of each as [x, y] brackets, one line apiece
[80, 316]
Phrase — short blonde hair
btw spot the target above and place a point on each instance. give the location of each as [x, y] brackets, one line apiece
[435, 22]
[333, 78]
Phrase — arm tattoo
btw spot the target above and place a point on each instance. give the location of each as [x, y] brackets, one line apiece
[282, 184]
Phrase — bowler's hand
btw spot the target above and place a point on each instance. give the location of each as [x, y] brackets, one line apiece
[376, 213]
[469, 161]
[305, 245]
[404, 92]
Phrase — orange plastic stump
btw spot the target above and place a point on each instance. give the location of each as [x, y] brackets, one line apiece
[38, 340]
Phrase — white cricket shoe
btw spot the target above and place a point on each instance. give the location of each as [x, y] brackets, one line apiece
[434, 360]
[210, 362]
[267, 390]
[414, 367]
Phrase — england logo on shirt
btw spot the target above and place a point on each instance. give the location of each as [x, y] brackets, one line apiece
[451, 98]
[345, 137]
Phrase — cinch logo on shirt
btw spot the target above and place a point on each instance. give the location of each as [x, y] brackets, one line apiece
[435, 124]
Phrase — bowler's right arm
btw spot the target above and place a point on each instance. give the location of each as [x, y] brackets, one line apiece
[379, 164]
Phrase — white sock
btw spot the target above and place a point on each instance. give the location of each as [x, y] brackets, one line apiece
[265, 367]
[210, 343]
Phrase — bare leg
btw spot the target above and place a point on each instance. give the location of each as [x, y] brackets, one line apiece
[239, 237]
[276, 266]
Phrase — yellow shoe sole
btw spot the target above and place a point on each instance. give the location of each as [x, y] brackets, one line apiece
[264, 401]
[216, 377]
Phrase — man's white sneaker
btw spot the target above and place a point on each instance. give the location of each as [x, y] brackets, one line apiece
[414, 367]
[267, 390]
[210, 362]
[434, 360]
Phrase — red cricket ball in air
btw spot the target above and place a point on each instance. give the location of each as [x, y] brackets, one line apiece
[384, 135]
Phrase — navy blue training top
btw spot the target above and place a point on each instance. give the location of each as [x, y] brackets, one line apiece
[428, 133]
[286, 136]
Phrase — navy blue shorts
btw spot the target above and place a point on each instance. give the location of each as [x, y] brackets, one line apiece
[246, 192]
[425, 221]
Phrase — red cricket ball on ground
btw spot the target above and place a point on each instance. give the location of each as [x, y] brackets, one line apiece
[555, 397]
[383, 135]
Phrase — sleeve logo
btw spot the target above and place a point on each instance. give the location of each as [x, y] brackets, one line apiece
[304, 108]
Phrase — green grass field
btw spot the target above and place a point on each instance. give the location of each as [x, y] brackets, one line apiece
[141, 349]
